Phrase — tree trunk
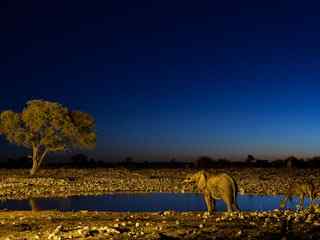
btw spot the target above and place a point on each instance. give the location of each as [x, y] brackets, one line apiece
[37, 158]
[35, 165]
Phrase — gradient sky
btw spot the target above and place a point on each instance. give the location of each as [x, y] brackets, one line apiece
[171, 79]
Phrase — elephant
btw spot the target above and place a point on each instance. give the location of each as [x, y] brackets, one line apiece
[220, 186]
[301, 189]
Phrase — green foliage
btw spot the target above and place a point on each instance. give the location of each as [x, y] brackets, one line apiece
[48, 127]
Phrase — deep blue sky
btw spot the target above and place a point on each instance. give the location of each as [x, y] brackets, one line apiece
[171, 79]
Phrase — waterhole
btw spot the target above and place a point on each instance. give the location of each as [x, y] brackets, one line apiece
[146, 202]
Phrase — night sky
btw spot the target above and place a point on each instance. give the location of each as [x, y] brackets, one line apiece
[171, 79]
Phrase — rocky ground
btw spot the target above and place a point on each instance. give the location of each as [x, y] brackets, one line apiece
[17, 184]
[55, 225]
[160, 225]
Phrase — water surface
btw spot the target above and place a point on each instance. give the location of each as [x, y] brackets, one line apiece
[145, 202]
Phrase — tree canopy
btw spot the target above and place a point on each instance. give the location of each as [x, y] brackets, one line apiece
[45, 126]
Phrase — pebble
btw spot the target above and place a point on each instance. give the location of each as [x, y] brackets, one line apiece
[316, 223]
[267, 220]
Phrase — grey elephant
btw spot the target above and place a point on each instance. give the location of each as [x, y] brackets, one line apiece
[220, 186]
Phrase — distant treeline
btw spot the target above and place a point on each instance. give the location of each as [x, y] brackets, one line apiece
[83, 161]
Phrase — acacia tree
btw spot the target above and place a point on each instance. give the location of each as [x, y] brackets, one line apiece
[45, 127]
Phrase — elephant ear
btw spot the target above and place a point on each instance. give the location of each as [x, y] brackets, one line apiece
[202, 180]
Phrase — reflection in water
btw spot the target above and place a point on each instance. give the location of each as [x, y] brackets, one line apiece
[33, 205]
[49, 204]
[145, 202]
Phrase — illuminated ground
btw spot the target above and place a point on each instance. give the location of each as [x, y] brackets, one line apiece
[164, 225]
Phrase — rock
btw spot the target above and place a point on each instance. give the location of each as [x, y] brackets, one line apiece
[167, 213]
[310, 218]
[316, 223]
[267, 220]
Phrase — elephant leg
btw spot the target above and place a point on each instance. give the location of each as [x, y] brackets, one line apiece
[311, 199]
[235, 207]
[301, 201]
[229, 204]
[283, 202]
[213, 203]
[311, 202]
[210, 203]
